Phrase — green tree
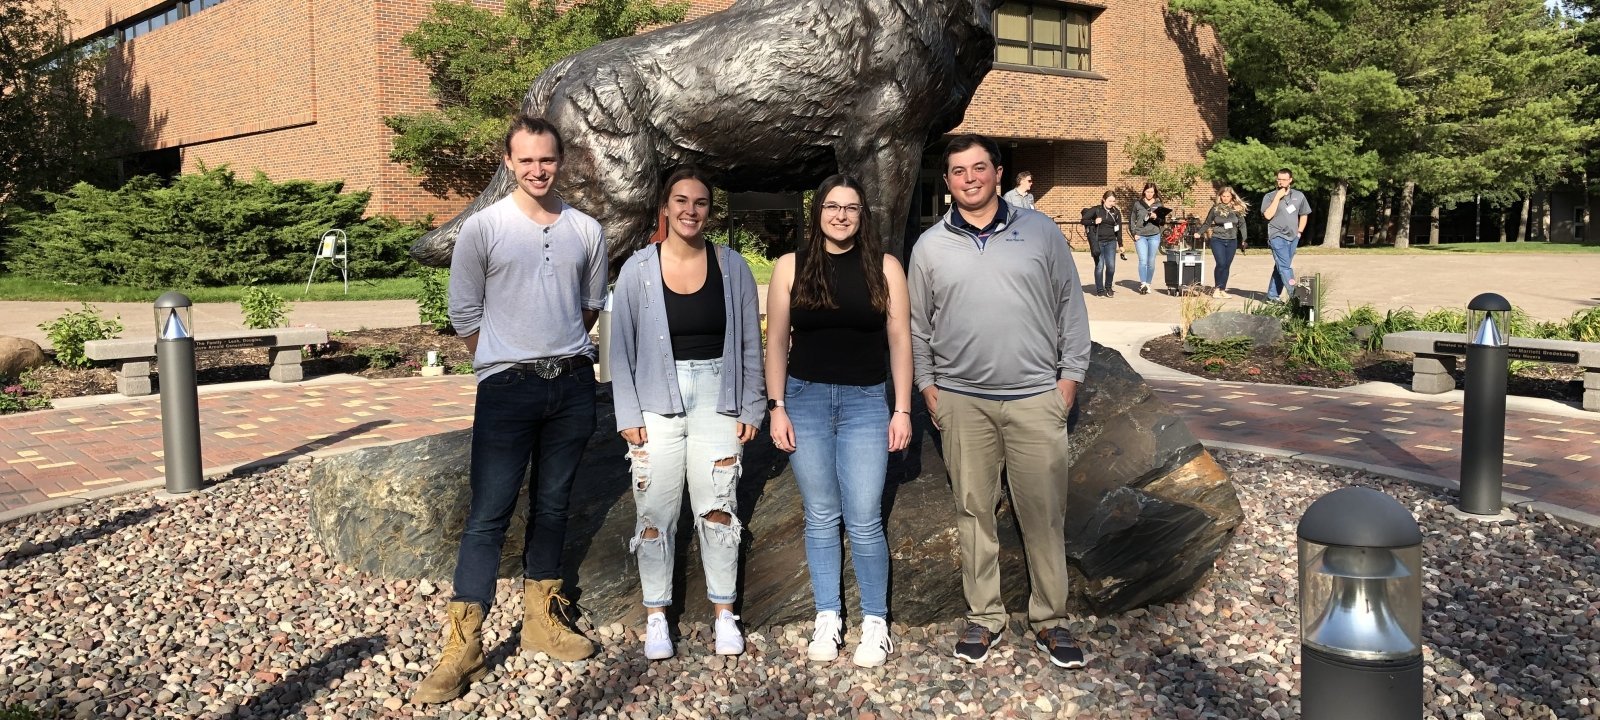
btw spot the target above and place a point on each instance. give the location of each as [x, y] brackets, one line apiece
[1148, 154]
[1409, 93]
[53, 131]
[482, 63]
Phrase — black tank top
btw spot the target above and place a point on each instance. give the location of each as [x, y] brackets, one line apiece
[697, 320]
[846, 345]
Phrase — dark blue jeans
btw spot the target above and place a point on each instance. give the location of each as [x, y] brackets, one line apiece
[1222, 253]
[1105, 265]
[523, 419]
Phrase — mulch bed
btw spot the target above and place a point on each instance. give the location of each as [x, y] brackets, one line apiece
[1267, 365]
[339, 355]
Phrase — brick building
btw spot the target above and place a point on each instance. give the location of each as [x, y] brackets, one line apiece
[299, 89]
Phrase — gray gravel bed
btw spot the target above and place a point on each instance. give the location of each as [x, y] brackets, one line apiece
[222, 607]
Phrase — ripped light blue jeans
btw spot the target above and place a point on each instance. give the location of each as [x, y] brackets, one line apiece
[698, 449]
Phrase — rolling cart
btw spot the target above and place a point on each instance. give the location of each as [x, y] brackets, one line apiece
[1185, 263]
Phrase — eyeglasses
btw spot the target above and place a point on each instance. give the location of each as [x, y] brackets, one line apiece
[852, 209]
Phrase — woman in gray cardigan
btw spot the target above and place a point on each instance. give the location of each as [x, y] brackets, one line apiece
[687, 382]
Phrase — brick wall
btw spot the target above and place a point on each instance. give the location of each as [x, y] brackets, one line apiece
[299, 89]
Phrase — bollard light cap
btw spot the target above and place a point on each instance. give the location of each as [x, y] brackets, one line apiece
[173, 299]
[1359, 517]
[1490, 302]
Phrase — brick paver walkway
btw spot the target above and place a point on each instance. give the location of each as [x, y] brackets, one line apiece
[62, 453]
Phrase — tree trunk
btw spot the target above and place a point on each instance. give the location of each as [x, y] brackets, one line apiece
[1505, 218]
[1544, 231]
[1385, 209]
[1522, 227]
[1433, 225]
[1333, 231]
[1583, 189]
[1402, 235]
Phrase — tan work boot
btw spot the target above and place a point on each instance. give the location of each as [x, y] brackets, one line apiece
[545, 631]
[461, 664]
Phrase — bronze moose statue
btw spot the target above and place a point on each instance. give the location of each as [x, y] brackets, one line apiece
[768, 95]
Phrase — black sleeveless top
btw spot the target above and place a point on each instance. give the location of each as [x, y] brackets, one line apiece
[698, 321]
[846, 345]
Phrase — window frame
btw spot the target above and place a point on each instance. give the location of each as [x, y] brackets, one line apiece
[1068, 12]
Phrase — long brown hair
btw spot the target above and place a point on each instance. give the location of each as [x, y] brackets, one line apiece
[812, 289]
[1235, 203]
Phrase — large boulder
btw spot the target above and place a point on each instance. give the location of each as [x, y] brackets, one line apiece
[1263, 330]
[1149, 513]
[19, 355]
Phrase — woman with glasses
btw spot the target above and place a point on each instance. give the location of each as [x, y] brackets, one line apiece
[838, 327]
[686, 378]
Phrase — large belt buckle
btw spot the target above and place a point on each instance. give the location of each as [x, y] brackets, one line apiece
[547, 369]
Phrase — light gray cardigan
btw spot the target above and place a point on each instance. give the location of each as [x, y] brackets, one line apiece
[644, 376]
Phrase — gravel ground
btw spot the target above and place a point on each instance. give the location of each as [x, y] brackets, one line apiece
[222, 607]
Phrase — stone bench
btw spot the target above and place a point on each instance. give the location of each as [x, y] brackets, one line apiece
[136, 355]
[1436, 354]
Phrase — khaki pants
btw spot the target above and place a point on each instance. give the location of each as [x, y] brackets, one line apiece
[1027, 439]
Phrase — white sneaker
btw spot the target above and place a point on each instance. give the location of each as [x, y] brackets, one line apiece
[730, 641]
[825, 639]
[875, 642]
[657, 639]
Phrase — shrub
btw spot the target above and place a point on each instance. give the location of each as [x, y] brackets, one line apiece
[1324, 345]
[69, 332]
[461, 368]
[380, 357]
[1443, 320]
[752, 247]
[1193, 306]
[1267, 309]
[433, 304]
[202, 230]
[15, 399]
[1584, 325]
[18, 712]
[1227, 350]
[263, 308]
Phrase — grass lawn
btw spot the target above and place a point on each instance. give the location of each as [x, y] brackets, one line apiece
[762, 271]
[1483, 247]
[19, 288]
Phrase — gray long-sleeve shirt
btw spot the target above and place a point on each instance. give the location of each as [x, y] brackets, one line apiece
[523, 286]
[644, 374]
[1002, 317]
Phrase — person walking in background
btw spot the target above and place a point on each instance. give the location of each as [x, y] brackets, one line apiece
[1286, 211]
[1000, 341]
[1225, 223]
[1021, 195]
[1103, 226]
[686, 378]
[1148, 217]
[527, 281]
[844, 304]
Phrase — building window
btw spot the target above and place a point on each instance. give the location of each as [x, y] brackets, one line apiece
[1042, 35]
[164, 15]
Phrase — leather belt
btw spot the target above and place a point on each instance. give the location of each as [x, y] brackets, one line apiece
[552, 368]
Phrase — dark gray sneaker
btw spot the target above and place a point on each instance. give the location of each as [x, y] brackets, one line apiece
[975, 642]
[1057, 643]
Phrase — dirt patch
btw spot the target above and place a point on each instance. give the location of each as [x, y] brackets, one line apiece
[360, 352]
[1267, 365]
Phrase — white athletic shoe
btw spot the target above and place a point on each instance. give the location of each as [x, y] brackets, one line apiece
[825, 639]
[657, 640]
[730, 640]
[875, 642]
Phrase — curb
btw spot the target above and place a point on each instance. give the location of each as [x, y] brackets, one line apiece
[1510, 500]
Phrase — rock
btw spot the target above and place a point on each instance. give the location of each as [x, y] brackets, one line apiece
[1262, 330]
[18, 355]
[1149, 513]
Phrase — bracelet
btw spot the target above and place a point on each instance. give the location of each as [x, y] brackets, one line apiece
[907, 412]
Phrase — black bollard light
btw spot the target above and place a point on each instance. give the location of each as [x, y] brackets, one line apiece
[1360, 608]
[1483, 416]
[180, 399]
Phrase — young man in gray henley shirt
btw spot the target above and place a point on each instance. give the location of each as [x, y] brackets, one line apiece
[1000, 340]
[527, 281]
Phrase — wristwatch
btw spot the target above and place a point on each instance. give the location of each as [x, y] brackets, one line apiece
[773, 404]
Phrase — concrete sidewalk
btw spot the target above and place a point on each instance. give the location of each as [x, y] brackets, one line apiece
[1549, 287]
